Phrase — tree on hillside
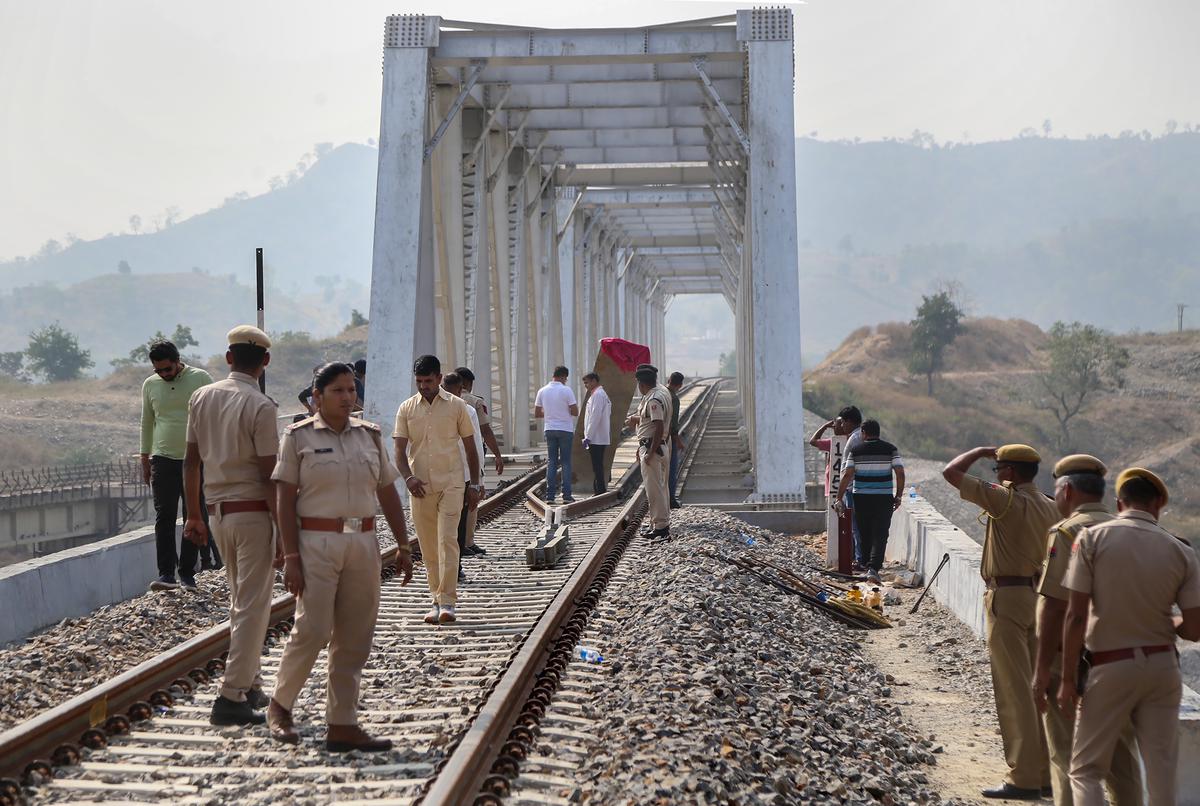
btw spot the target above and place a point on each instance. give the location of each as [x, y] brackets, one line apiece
[1083, 359]
[356, 318]
[55, 354]
[12, 365]
[123, 267]
[938, 323]
[182, 339]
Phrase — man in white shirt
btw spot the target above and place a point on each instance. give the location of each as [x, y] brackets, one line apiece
[596, 418]
[453, 384]
[556, 404]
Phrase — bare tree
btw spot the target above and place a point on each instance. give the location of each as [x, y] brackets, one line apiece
[1083, 359]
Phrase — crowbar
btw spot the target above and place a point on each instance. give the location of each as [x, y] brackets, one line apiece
[929, 584]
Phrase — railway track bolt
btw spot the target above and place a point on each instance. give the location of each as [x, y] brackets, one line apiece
[496, 785]
[506, 766]
[215, 667]
[534, 709]
[10, 792]
[516, 750]
[488, 800]
[93, 739]
[140, 711]
[199, 675]
[116, 724]
[161, 699]
[521, 734]
[65, 755]
[37, 772]
[184, 684]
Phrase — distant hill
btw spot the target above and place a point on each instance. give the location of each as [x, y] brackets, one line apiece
[1105, 230]
[321, 225]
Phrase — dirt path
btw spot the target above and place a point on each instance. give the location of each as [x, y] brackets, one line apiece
[943, 687]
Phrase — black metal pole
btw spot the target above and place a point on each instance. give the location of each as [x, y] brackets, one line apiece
[258, 281]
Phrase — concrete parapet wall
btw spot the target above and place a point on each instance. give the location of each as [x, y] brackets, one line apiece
[920, 536]
[67, 584]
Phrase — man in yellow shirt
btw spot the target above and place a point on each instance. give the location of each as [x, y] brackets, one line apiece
[430, 427]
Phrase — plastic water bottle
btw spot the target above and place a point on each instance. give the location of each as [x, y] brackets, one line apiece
[747, 539]
[912, 492]
[589, 654]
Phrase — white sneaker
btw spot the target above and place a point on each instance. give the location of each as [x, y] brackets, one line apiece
[447, 615]
[432, 616]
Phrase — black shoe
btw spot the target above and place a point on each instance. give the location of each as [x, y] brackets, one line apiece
[166, 582]
[675, 504]
[477, 550]
[206, 564]
[660, 535]
[1047, 792]
[568, 499]
[1007, 791]
[257, 698]
[462, 578]
[227, 712]
[188, 581]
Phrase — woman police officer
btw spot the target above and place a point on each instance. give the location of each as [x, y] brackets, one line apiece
[331, 470]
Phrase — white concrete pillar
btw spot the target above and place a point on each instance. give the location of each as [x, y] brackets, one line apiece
[565, 268]
[770, 232]
[446, 204]
[398, 202]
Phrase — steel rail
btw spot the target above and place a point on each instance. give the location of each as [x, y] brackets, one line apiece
[468, 767]
[87, 718]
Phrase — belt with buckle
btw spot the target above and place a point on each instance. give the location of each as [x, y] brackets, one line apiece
[1010, 582]
[229, 507]
[1110, 655]
[346, 525]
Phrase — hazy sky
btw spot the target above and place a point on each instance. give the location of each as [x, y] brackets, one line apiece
[110, 108]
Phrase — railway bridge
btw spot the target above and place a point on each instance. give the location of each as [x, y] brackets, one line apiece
[540, 189]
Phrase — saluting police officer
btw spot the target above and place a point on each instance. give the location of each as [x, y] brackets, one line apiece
[231, 430]
[653, 414]
[1078, 494]
[1018, 517]
[1129, 572]
[332, 470]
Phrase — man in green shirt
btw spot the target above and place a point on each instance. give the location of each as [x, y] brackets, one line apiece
[165, 396]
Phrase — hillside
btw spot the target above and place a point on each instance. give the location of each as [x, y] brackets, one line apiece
[95, 420]
[1152, 420]
[1030, 227]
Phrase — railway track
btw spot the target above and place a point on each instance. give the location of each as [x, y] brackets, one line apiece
[461, 703]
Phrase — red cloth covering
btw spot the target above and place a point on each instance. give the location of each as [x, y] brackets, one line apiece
[625, 354]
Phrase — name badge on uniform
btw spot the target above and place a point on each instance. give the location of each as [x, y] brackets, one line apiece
[323, 450]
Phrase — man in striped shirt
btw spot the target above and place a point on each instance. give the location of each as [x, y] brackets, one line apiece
[869, 466]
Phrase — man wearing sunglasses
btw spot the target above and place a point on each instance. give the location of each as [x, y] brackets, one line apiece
[165, 396]
[1018, 517]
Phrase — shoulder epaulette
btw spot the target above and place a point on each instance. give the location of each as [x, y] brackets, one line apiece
[296, 425]
[367, 424]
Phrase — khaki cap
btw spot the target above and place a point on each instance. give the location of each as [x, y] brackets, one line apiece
[1079, 463]
[1017, 453]
[248, 334]
[1142, 473]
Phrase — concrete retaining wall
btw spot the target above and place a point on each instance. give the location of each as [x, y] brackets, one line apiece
[919, 538]
[67, 584]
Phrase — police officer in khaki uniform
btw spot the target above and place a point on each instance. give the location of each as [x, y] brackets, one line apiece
[489, 439]
[430, 427]
[231, 431]
[332, 470]
[1124, 576]
[1018, 517]
[1078, 494]
[653, 415]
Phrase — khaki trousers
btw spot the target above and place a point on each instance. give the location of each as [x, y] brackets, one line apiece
[1012, 646]
[337, 608]
[655, 471]
[1144, 690]
[1124, 780]
[247, 545]
[435, 518]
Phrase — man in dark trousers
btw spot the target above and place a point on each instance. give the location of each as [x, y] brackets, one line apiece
[869, 467]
